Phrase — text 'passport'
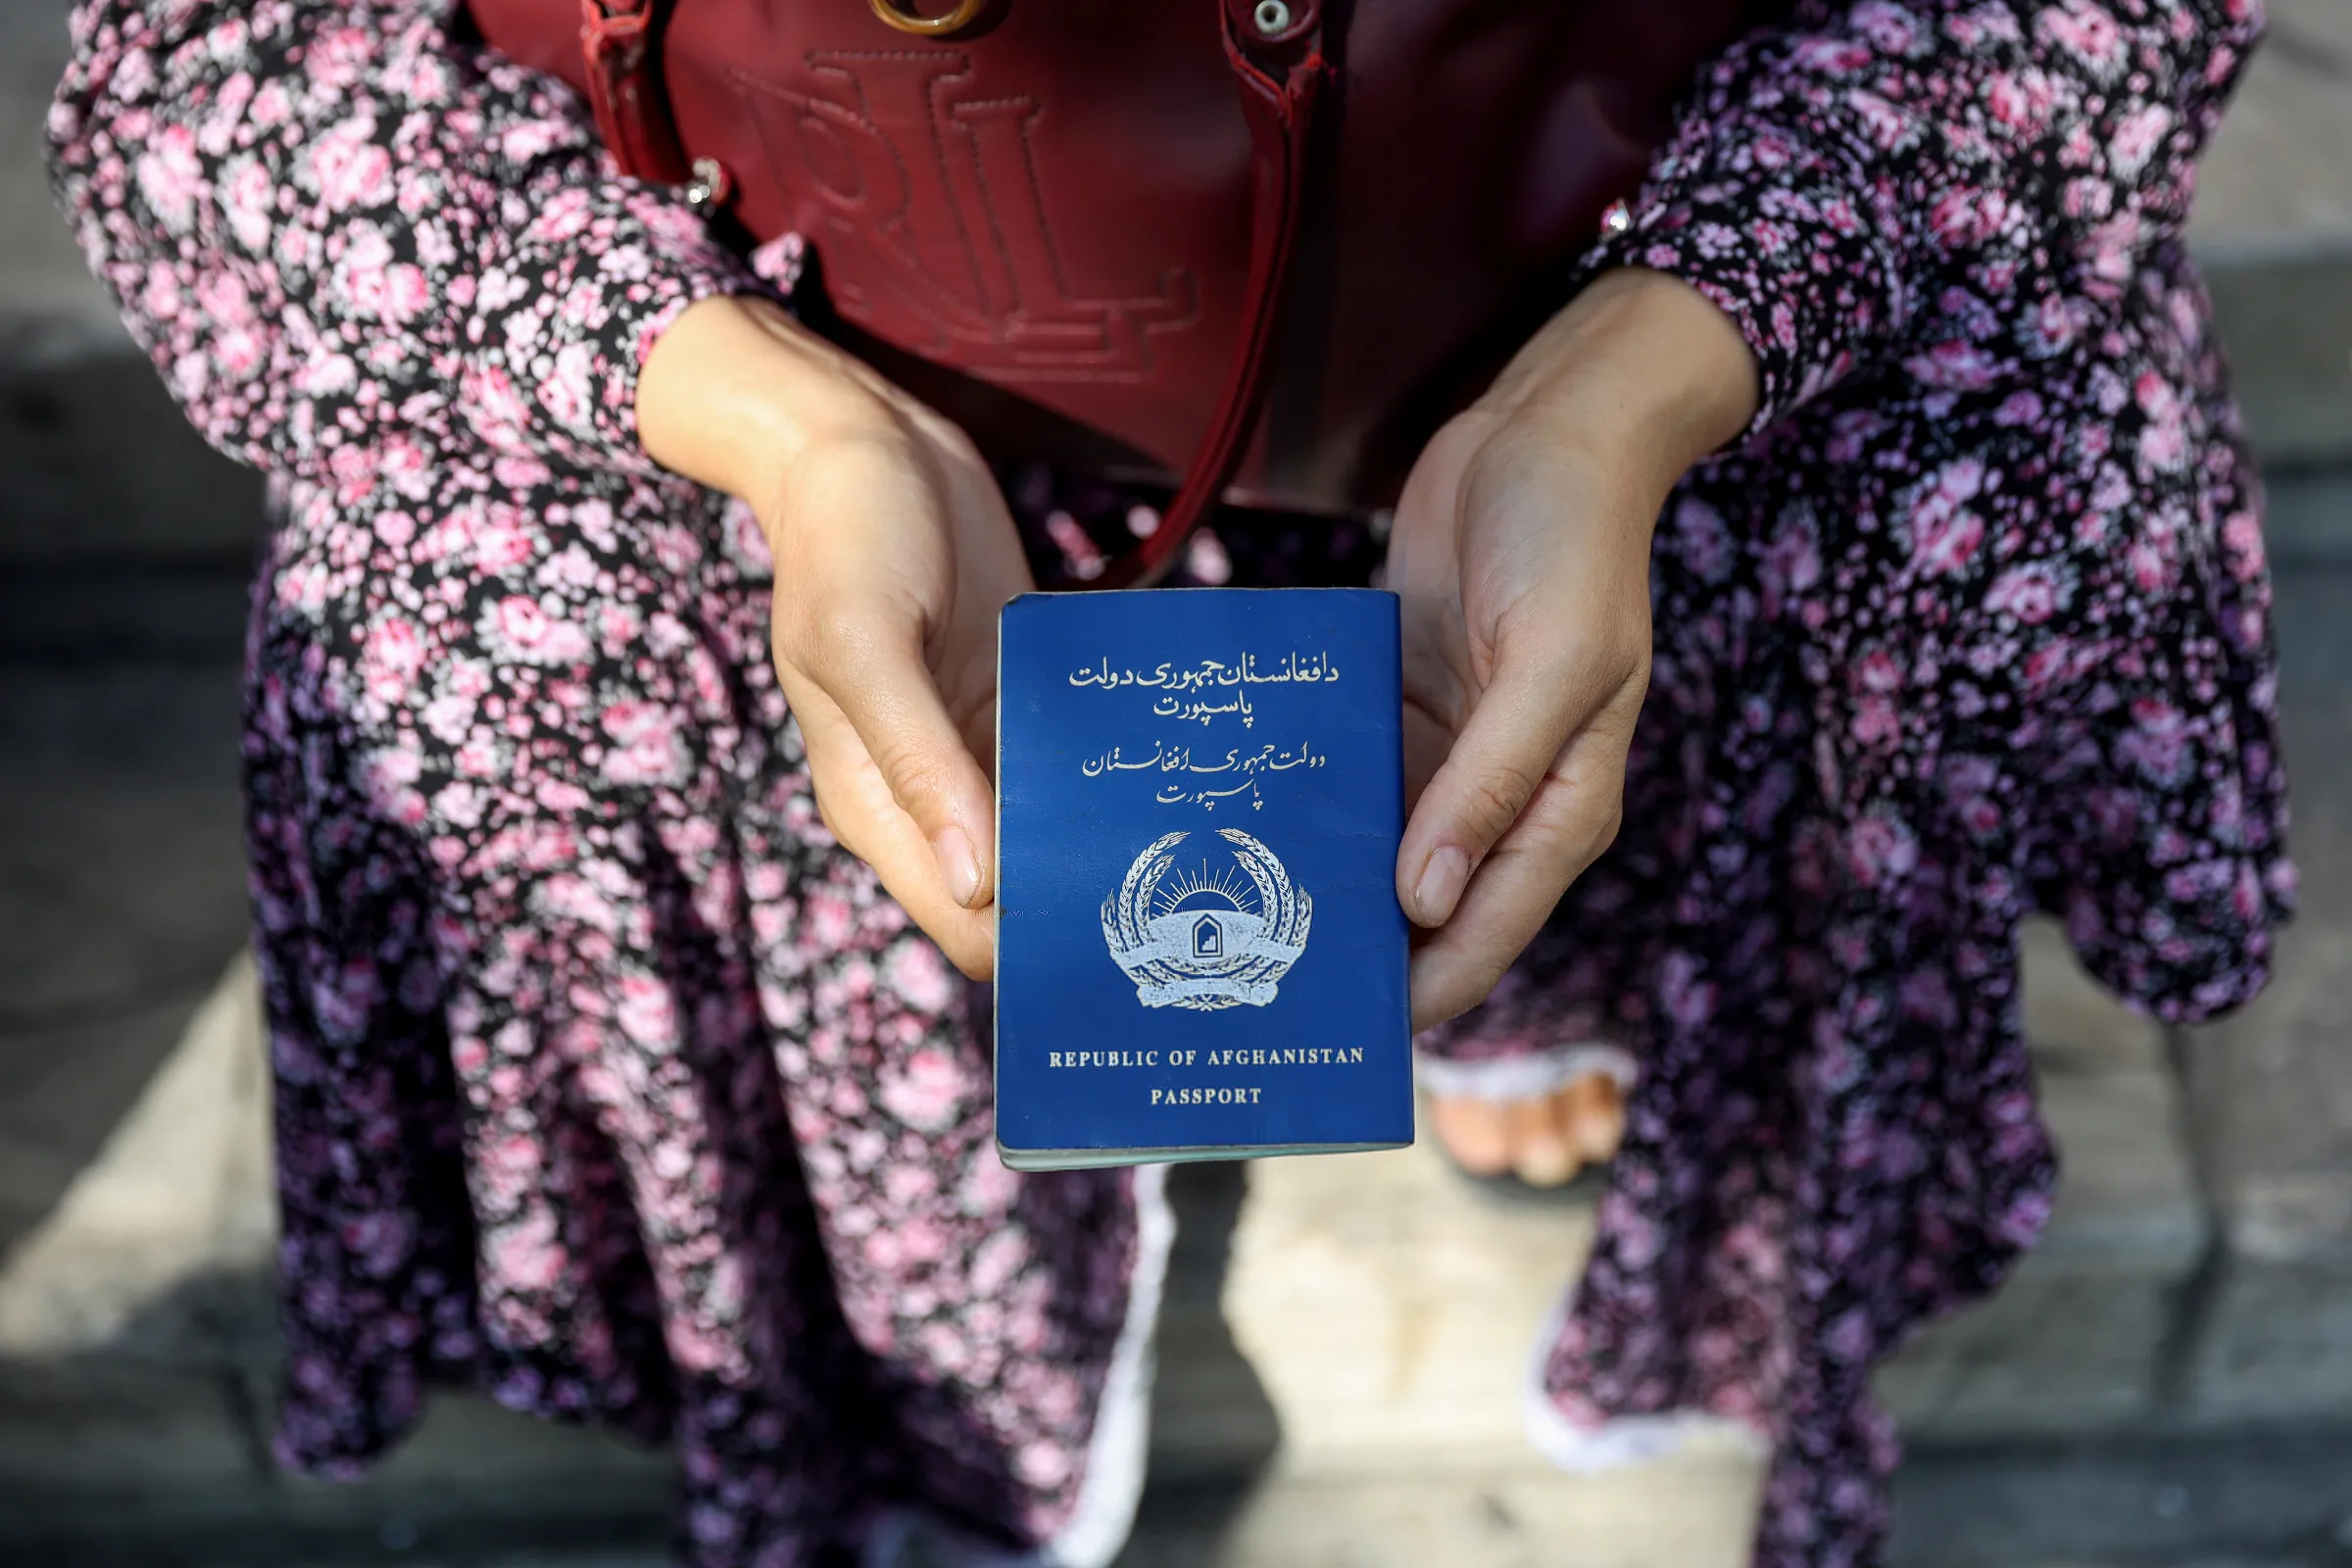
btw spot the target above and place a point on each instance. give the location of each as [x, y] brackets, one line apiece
[1200, 952]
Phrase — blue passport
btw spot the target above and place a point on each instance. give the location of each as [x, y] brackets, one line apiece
[1200, 951]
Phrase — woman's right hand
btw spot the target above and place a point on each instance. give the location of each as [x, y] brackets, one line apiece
[893, 551]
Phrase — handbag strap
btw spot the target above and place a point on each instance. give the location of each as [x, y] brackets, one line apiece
[1276, 51]
[624, 89]
[1275, 48]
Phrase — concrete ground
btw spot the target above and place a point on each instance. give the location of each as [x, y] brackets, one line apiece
[2169, 1382]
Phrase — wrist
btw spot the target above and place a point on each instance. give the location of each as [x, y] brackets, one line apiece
[1640, 364]
[735, 391]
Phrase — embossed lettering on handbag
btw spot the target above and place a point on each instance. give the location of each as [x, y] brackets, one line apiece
[1258, 249]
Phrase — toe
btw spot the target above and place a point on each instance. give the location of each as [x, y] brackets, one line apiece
[1473, 1132]
[1593, 1110]
[1541, 1154]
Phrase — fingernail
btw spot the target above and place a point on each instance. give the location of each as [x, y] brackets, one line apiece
[1545, 1162]
[1440, 884]
[958, 863]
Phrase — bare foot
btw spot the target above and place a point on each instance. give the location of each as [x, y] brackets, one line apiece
[1543, 1141]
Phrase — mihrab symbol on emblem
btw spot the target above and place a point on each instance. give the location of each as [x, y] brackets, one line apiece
[1207, 939]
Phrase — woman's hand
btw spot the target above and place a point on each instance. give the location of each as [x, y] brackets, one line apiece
[894, 552]
[1521, 551]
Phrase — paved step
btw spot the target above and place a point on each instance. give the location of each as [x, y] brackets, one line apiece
[2145, 1501]
[2080, 1338]
[2275, 182]
[2273, 226]
[1330, 1321]
[121, 897]
[2272, 1086]
[2271, 1082]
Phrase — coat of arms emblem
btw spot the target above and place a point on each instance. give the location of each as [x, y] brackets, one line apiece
[1211, 937]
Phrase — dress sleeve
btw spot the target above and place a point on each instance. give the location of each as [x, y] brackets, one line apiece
[1857, 185]
[351, 242]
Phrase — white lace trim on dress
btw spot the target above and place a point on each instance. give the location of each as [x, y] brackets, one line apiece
[1524, 1077]
[1620, 1440]
[1115, 1454]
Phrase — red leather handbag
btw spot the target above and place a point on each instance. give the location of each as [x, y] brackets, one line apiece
[1256, 248]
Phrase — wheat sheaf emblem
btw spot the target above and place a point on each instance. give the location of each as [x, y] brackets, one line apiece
[1208, 936]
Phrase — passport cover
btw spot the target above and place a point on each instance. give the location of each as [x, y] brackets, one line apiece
[1200, 951]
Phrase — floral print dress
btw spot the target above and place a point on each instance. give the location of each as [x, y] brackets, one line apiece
[608, 1082]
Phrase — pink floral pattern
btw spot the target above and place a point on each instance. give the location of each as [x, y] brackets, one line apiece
[1975, 623]
[608, 1081]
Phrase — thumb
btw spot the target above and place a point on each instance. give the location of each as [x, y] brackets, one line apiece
[887, 694]
[1517, 729]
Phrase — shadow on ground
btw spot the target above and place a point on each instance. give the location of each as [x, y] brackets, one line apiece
[152, 1452]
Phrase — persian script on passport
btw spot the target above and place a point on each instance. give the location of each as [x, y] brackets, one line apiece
[1200, 951]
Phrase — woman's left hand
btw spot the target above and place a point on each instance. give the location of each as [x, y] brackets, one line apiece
[1521, 553]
